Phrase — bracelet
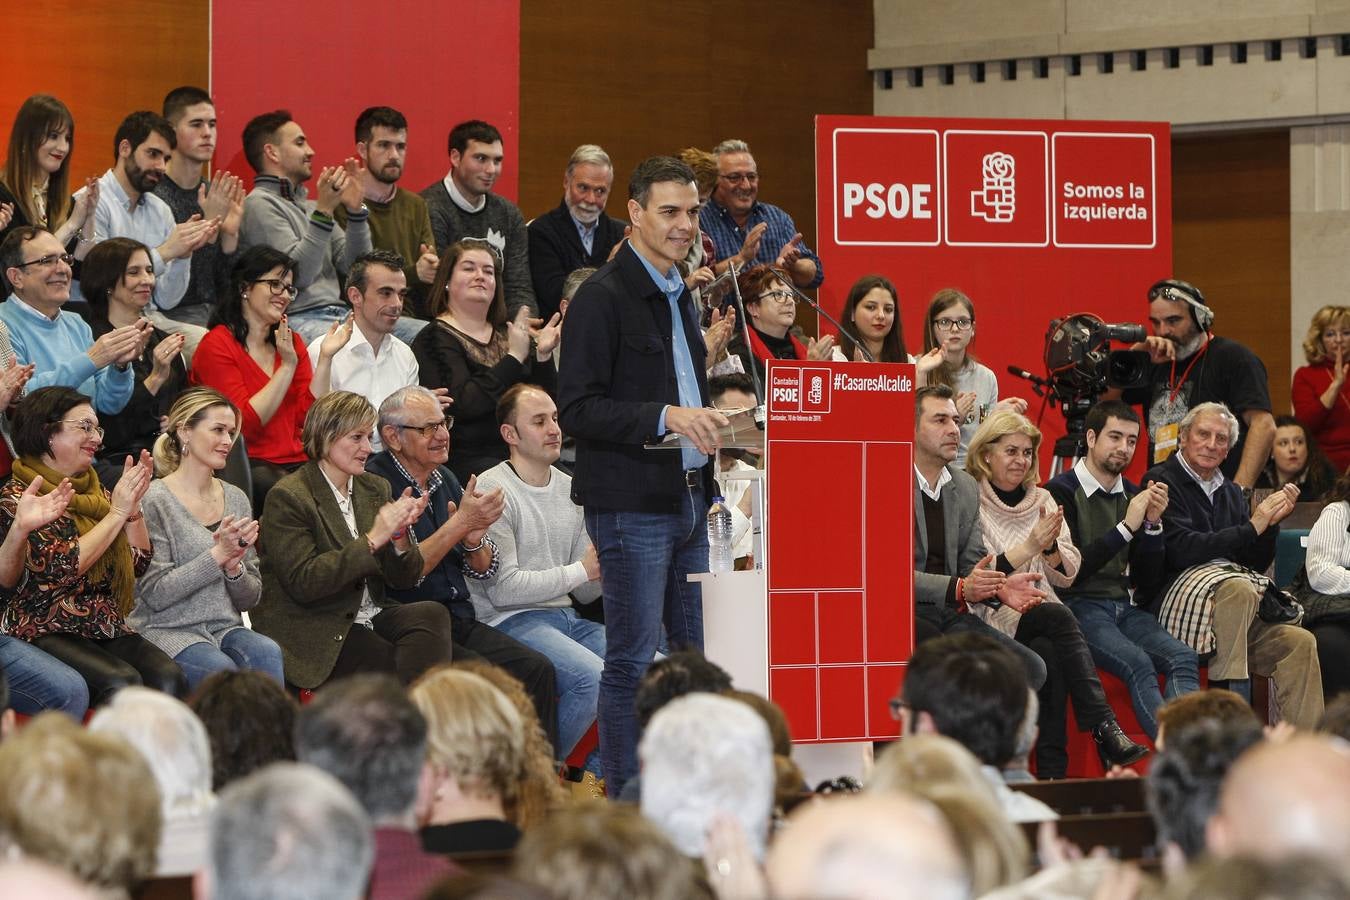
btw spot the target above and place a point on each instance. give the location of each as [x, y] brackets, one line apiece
[371, 544]
[135, 518]
[479, 546]
[1052, 550]
[236, 576]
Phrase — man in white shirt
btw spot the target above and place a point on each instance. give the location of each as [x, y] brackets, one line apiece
[374, 363]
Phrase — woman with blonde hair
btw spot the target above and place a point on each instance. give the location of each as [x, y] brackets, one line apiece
[205, 569]
[1025, 531]
[476, 762]
[1320, 399]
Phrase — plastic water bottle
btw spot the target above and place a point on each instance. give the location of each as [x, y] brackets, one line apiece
[720, 557]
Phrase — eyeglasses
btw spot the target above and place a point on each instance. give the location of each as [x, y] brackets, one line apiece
[428, 431]
[961, 324]
[86, 426]
[783, 297]
[738, 177]
[50, 259]
[896, 705]
[278, 287]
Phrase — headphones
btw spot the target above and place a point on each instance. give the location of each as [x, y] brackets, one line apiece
[1184, 292]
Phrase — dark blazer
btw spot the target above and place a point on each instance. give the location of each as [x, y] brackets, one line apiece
[556, 251]
[617, 375]
[313, 569]
[964, 544]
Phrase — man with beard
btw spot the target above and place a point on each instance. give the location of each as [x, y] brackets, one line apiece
[399, 221]
[1118, 528]
[127, 208]
[1191, 366]
[462, 205]
[577, 234]
[192, 114]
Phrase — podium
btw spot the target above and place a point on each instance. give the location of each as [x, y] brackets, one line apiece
[826, 626]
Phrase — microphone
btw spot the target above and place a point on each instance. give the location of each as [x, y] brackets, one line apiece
[744, 321]
[1028, 376]
[866, 355]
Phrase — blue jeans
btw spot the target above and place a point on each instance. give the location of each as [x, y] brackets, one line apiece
[576, 647]
[239, 649]
[38, 682]
[1130, 643]
[645, 559]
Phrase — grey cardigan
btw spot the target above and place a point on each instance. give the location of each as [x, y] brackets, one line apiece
[184, 597]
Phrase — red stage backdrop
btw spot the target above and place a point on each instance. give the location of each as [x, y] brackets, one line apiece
[1033, 220]
[438, 63]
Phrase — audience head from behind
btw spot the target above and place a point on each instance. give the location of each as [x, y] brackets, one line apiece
[1211, 705]
[118, 279]
[737, 178]
[376, 289]
[476, 156]
[367, 733]
[173, 741]
[1336, 718]
[663, 209]
[262, 286]
[81, 801]
[870, 846]
[705, 756]
[603, 851]
[571, 284]
[275, 145]
[1250, 878]
[202, 424]
[968, 688]
[250, 720]
[470, 274]
[871, 317]
[38, 268]
[37, 164]
[415, 429]
[587, 183]
[682, 672]
[29, 879]
[287, 830]
[141, 149]
[382, 143]
[1182, 789]
[734, 390]
[704, 166]
[192, 114]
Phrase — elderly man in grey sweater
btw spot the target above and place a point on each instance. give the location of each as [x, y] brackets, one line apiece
[545, 559]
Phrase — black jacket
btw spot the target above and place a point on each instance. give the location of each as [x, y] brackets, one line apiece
[556, 251]
[617, 374]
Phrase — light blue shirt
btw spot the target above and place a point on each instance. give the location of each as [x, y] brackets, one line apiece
[150, 222]
[587, 234]
[686, 377]
[59, 348]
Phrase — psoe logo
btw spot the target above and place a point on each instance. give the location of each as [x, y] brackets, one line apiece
[816, 399]
[785, 390]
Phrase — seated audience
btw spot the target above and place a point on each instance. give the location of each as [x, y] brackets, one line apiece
[174, 744]
[597, 851]
[771, 311]
[968, 688]
[365, 732]
[375, 362]
[1296, 459]
[71, 582]
[331, 542]
[452, 536]
[35, 179]
[36, 681]
[736, 391]
[949, 327]
[205, 569]
[1249, 878]
[86, 803]
[1018, 769]
[871, 320]
[1319, 398]
[119, 282]
[705, 757]
[475, 763]
[1323, 588]
[287, 830]
[857, 847]
[58, 342]
[789, 782]
[1213, 596]
[1209, 705]
[474, 351]
[279, 214]
[252, 356]
[544, 560]
[1117, 527]
[1182, 788]
[250, 721]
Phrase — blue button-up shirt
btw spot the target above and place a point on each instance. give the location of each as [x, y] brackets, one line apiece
[686, 377]
[728, 237]
[586, 233]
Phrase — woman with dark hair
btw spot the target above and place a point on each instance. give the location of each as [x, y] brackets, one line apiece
[771, 311]
[1319, 394]
[1323, 587]
[1296, 458]
[252, 357]
[35, 180]
[70, 594]
[476, 352]
[871, 320]
[119, 282]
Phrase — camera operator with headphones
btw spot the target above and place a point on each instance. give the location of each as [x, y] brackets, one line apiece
[1191, 366]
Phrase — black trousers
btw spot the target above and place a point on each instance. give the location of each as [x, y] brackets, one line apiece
[474, 640]
[1333, 652]
[265, 474]
[110, 664]
[404, 640]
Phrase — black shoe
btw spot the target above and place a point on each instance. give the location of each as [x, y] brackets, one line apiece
[1115, 747]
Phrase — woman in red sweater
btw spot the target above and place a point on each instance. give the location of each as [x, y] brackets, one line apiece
[252, 357]
[1321, 401]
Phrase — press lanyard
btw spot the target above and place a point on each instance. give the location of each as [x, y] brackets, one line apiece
[1172, 379]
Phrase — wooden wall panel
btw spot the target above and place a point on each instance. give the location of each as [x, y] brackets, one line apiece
[1230, 232]
[103, 60]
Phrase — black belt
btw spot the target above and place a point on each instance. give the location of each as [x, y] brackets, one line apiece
[693, 478]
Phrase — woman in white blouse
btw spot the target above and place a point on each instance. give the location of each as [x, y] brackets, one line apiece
[1323, 587]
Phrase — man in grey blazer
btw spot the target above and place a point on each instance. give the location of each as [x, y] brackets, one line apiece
[952, 570]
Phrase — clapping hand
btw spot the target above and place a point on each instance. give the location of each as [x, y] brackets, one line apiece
[545, 335]
[718, 335]
[1020, 591]
[131, 487]
[1046, 530]
[286, 344]
[339, 333]
[984, 581]
[233, 537]
[222, 199]
[427, 264]
[36, 510]
[396, 517]
[12, 381]
[478, 510]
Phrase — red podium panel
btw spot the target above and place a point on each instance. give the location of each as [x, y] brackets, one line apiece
[839, 460]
